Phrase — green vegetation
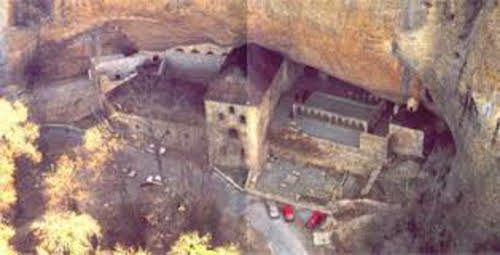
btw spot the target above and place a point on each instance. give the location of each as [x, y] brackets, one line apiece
[194, 244]
[65, 233]
[17, 138]
[121, 250]
[6, 233]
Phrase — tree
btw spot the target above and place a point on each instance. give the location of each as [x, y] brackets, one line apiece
[6, 233]
[122, 250]
[99, 145]
[194, 244]
[17, 138]
[62, 188]
[65, 233]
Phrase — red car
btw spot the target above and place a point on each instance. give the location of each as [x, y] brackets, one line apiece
[288, 212]
[315, 220]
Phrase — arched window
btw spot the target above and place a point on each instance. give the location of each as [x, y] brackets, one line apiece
[243, 119]
[221, 116]
[233, 133]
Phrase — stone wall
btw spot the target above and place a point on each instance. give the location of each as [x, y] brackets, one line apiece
[406, 141]
[64, 102]
[370, 155]
[196, 63]
[173, 135]
[282, 82]
[225, 146]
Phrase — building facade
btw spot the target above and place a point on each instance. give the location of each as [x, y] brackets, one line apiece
[239, 106]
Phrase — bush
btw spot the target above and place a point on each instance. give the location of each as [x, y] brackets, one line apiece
[62, 187]
[6, 233]
[121, 250]
[65, 233]
[194, 244]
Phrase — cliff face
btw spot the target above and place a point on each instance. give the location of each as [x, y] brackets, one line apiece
[394, 48]
[353, 41]
[463, 76]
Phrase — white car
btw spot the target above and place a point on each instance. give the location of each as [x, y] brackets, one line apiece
[272, 209]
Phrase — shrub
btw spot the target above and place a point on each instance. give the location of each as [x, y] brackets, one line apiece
[122, 250]
[6, 233]
[62, 186]
[194, 244]
[65, 233]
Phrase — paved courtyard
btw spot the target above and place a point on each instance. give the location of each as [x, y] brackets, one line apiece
[298, 182]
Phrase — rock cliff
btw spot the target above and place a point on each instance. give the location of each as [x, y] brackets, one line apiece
[445, 53]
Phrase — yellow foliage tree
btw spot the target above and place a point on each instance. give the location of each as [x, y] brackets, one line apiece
[17, 137]
[122, 250]
[194, 244]
[7, 189]
[62, 186]
[98, 147]
[6, 233]
[65, 233]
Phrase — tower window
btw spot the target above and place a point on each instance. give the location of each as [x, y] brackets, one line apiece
[231, 109]
[195, 51]
[243, 119]
[221, 116]
[233, 133]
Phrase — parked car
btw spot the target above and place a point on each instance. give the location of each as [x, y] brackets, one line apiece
[288, 213]
[315, 220]
[272, 209]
